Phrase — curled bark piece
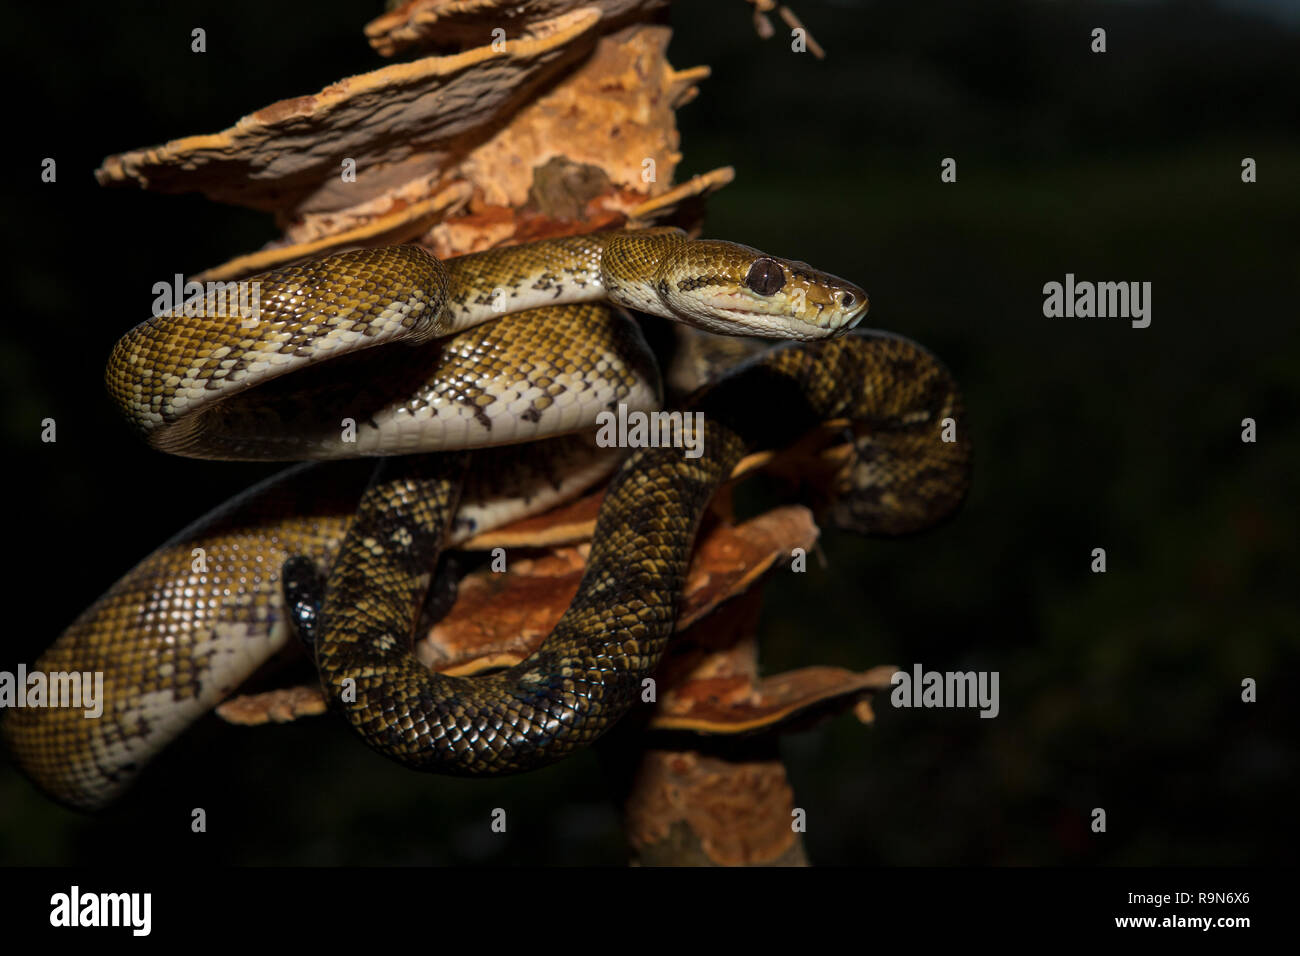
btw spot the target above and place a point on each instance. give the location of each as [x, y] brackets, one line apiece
[409, 121]
[459, 153]
[738, 704]
[274, 706]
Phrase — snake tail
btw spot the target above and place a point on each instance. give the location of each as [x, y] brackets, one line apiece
[589, 671]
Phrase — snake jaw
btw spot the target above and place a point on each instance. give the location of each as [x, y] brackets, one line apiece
[821, 300]
[731, 289]
[805, 312]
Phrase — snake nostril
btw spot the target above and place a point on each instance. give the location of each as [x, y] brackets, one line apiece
[847, 300]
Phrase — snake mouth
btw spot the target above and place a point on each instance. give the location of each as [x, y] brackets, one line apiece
[781, 323]
[852, 319]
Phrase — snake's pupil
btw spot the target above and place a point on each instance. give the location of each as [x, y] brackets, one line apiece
[765, 276]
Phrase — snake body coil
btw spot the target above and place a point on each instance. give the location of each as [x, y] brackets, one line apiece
[177, 634]
[221, 387]
[589, 670]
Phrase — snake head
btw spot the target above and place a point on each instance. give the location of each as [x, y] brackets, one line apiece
[722, 285]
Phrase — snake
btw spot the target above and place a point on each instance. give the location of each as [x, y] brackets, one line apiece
[390, 352]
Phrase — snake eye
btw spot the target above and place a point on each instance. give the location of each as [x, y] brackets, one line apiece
[765, 276]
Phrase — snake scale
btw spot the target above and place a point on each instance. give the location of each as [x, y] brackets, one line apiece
[388, 339]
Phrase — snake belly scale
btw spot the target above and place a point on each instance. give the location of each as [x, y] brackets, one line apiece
[173, 640]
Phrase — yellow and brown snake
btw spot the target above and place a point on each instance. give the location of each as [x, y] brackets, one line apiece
[401, 346]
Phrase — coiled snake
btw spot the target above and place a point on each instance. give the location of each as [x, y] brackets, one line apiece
[195, 618]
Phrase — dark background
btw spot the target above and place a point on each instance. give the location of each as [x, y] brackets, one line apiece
[1119, 690]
